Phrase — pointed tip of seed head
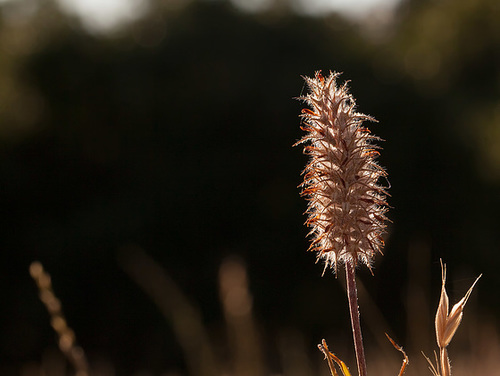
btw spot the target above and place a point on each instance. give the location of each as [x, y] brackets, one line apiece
[443, 272]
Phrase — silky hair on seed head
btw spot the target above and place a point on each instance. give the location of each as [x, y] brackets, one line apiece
[346, 204]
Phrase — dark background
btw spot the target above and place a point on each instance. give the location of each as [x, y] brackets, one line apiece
[175, 135]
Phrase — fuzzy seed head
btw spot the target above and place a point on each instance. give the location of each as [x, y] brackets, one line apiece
[346, 204]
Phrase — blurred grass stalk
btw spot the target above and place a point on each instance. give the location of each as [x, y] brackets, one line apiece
[67, 340]
[185, 319]
[237, 303]
[187, 323]
[246, 350]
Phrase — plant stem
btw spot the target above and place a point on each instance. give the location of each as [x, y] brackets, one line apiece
[352, 296]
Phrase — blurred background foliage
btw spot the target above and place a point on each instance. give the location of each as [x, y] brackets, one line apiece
[173, 132]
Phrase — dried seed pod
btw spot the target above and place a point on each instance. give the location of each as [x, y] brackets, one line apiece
[447, 322]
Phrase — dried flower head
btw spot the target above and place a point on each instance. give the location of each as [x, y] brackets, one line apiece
[346, 208]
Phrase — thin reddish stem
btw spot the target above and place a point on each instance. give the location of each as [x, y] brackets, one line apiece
[352, 297]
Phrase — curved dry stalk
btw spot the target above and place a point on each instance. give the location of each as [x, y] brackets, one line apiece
[406, 361]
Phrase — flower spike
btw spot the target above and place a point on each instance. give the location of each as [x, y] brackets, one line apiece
[346, 204]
